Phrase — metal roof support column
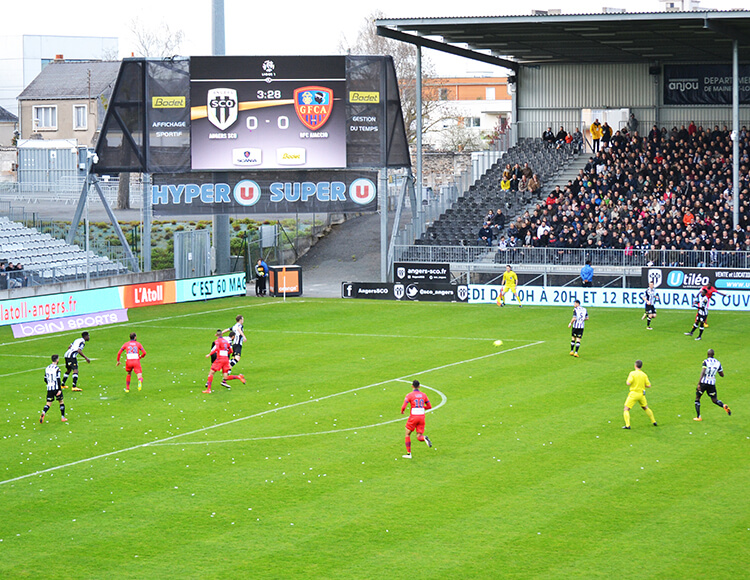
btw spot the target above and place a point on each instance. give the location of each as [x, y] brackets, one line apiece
[418, 212]
[735, 135]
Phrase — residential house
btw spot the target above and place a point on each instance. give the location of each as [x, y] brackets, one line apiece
[67, 100]
[25, 55]
[8, 127]
[478, 104]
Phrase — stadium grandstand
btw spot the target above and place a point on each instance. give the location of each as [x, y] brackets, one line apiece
[661, 188]
[31, 258]
[668, 191]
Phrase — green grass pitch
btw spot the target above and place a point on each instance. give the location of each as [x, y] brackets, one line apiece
[298, 474]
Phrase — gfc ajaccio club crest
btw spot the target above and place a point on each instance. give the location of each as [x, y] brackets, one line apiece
[313, 106]
[222, 107]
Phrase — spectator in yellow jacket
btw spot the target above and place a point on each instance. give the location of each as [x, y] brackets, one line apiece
[596, 135]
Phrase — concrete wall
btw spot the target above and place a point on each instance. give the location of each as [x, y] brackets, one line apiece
[142, 278]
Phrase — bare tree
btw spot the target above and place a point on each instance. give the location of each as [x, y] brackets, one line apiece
[155, 40]
[405, 61]
[458, 137]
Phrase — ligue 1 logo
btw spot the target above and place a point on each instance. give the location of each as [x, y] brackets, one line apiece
[222, 107]
[313, 106]
[247, 193]
[362, 191]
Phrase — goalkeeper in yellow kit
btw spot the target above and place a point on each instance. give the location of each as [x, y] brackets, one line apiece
[638, 383]
[510, 279]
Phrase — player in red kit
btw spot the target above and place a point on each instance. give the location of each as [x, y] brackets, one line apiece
[134, 352]
[711, 290]
[222, 349]
[419, 404]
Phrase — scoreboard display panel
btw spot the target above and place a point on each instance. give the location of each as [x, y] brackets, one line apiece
[254, 113]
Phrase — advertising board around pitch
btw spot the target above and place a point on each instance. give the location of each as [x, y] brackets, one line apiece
[421, 272]
[695, 278]
[415, 291]
[285, 281]
[607, 297]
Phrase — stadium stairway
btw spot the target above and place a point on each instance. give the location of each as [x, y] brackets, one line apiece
[459, 225]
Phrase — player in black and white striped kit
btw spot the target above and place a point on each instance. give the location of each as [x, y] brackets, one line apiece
[580, 316]
[701, 303]
[71, 360]
[237, 340]
[650, 298]
[54, 389]
[707, 384]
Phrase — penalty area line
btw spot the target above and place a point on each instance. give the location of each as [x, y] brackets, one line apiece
[443, 401]
[265, 412]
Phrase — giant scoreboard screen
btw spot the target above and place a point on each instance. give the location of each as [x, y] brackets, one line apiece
[268, 113]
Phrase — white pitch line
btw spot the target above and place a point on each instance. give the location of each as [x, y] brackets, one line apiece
[22, 372]
[443, 400]
[267, 411]
[25, 355]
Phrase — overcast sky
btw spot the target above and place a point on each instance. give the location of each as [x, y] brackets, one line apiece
[279, 28]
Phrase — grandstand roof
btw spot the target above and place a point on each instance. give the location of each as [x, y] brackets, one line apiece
[511, 41]
[72, 80]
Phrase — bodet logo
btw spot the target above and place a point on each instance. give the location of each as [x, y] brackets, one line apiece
[291, 156]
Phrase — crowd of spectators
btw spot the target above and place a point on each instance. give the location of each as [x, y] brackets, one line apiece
[562, 137]
[669, 190]
[519, 179]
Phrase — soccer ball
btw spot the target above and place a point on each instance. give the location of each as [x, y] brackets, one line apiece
[498, 343]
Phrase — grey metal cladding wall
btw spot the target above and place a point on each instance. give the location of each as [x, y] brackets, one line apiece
[592, 86]
[706, 116]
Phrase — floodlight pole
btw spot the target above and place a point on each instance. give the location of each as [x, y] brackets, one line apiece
[735, 135]
[220, 221]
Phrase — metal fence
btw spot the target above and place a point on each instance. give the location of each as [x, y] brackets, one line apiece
[477, 255]
[39, 275]
[67, 191]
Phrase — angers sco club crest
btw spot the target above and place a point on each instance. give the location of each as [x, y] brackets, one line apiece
[313, 106]
[222, 107]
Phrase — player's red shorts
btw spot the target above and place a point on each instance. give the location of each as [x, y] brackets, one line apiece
[221, 365]
[415, 423]
[133, 365]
